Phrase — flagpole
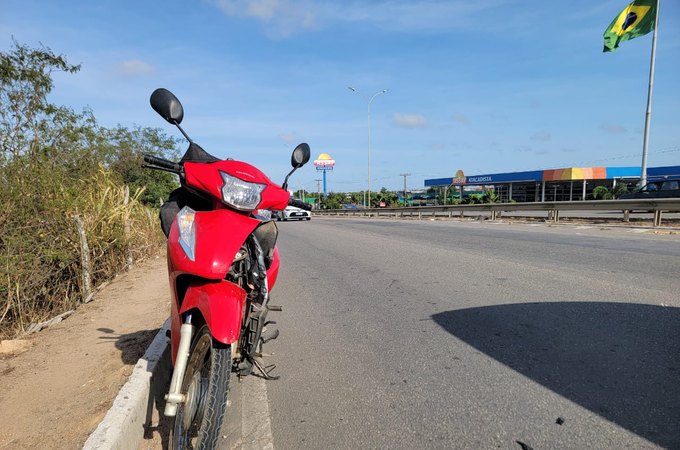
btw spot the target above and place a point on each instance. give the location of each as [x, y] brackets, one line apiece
[648, 113]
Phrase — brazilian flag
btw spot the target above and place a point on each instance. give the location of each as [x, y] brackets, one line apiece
[637, 19]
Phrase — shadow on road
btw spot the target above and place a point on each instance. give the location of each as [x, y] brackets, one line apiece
[132, 347]
[619, 360]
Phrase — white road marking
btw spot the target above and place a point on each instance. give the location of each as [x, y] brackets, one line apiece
[255, 424]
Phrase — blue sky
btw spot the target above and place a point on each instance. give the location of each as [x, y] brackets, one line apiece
[485, 86]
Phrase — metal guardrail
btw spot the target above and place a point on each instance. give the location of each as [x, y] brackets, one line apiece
[655, 206]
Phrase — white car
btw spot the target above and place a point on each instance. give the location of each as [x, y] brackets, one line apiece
[291, 212]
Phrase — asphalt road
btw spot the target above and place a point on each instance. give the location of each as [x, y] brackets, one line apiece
[434, 334]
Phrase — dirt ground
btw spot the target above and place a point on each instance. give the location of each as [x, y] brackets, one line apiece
[53, 395]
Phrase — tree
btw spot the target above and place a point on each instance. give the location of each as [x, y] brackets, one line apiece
[125, 156]
[334, 200]
[490, 196]
[473, 199]
[25, 81]
[55, 165]
[355, 197]
[390, 198]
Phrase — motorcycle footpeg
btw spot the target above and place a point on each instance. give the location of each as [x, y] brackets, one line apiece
[275, 307]
[245, 368]
[269, 335]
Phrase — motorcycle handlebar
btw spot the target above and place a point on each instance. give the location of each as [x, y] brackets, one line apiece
[163, 164]
[299, 204]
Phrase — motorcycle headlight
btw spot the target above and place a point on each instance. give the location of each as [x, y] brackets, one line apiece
[241, 194]
[187, 231]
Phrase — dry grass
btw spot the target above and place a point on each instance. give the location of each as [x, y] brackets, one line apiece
[40, 260]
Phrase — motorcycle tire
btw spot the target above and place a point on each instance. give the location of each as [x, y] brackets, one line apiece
[206, 387]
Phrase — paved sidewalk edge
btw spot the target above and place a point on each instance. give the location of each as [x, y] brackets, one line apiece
[124, 425]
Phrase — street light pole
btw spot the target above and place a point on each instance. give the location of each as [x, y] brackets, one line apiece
[318, 191]
[369, 101]
[404, 175]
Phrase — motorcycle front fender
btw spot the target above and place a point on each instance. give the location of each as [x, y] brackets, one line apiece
[219, 235]
[221, 304]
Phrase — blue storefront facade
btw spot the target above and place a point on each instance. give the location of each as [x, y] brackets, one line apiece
[566, 184]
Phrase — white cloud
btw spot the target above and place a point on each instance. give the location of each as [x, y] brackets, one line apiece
[542, 136]
[283, 17]
[135, 67]
[613, 128]
[461, 118]
[287, 17]
[264, 9]
[288, 137]
[409, 120]
[409, 15]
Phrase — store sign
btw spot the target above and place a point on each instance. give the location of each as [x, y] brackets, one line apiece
[324, 162]
[483, 179]
[459, 178]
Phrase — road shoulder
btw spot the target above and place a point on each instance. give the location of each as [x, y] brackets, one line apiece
[55, 394]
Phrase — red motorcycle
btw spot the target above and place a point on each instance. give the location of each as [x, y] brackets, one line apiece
[222, 264]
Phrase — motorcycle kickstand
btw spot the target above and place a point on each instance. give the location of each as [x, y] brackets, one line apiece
[264, 370]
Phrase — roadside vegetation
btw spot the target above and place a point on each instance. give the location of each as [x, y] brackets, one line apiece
[604, 193]
[59, 167]
[434, 196]
[391, 199]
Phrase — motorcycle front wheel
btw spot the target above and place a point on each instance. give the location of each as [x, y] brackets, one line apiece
[206, 387]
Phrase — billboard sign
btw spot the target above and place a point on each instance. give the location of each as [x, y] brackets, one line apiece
[324, 162]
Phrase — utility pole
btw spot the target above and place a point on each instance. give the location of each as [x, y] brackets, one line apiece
[404, 175]
[318, 191]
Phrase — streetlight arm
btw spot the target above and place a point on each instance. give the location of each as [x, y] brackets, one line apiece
[358, 92]
[384, 91]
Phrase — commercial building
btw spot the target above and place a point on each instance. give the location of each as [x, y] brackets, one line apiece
[567, 184]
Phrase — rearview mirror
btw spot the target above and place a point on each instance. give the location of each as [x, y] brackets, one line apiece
[167, 106]
[300, 156]
[298, 159]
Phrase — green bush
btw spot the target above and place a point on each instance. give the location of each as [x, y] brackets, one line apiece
[604, 193]
[490, 196]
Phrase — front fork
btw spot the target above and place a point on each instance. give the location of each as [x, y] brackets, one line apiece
[257, 319]
[175, 396]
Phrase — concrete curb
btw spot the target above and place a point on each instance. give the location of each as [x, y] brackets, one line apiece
[137, 402]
